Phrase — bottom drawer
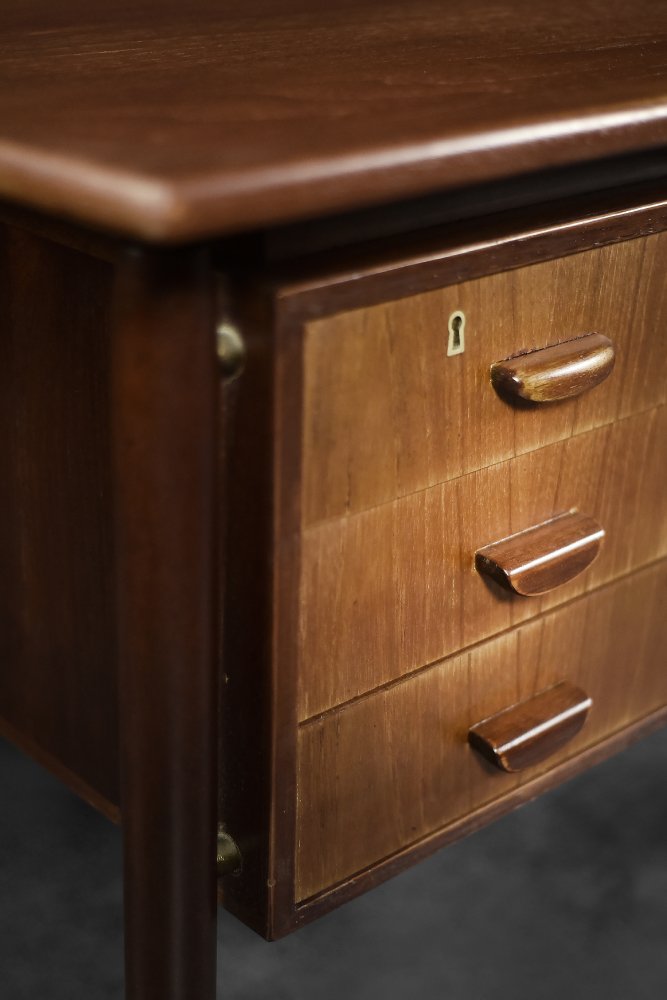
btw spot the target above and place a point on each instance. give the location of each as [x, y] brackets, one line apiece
[393, 767]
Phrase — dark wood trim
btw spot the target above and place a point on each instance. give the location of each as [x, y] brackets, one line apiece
[403, 219]
[288, 459]
[75, 784]
[164, 392]
[331, 282]
[246, 770]
[260, 609]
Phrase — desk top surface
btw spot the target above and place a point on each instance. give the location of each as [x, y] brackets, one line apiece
[173, 121]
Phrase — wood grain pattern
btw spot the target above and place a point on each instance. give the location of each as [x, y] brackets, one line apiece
[555, 373]
[386, 413]
[213, 117]
[388, 590]
[57, 634]
[394, 767]
[465, 825]
[544, 556]
[530, 732]
[330, 306]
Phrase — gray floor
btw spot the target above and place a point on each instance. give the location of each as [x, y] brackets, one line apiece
[566, 898]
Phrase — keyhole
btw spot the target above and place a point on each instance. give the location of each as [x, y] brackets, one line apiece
[457, 323]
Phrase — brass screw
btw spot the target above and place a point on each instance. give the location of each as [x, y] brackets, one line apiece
[229, 860]
[230, 349]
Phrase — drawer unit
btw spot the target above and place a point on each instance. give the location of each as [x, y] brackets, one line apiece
[391, 460]
[397, 766]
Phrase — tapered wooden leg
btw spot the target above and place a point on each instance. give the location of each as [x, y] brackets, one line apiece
[164, 420]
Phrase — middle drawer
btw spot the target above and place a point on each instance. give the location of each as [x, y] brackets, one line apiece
[391, 589]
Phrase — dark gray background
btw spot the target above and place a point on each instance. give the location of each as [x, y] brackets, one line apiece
[566, 898]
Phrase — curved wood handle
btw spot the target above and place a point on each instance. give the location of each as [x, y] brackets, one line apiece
[543, 557]
[528, 733]
[554, 373]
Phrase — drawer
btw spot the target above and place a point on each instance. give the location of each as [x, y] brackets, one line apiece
[387, 412]
[395, 766]
[389, 590]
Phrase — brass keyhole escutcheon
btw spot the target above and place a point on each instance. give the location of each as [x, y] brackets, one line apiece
[457, 324]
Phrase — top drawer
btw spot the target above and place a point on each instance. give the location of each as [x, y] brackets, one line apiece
[387, 412]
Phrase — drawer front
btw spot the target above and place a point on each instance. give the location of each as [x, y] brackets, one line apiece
[387, 412]
[389, 590]
[393, 767]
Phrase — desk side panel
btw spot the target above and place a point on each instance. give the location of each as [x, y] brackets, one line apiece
[57, 645]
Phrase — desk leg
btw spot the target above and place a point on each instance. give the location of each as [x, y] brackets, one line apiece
[164, 431]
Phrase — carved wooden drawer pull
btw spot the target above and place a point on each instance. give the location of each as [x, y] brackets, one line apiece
[555, 373]
[543, 557]
[531, 731]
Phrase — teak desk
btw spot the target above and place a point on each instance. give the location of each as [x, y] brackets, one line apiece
[333, 436]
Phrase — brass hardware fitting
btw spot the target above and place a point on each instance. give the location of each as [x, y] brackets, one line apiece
[456, 326]
[229, 860]
[230, 349]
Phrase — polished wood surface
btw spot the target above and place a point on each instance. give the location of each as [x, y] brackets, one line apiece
[164, 407]
[554, 373]
[387, 413]
[530, 732]
[544, 556]
[393, 767]
[167, 121]
[388, 590]
[57, 634]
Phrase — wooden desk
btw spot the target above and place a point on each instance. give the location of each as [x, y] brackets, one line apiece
[284, 292]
